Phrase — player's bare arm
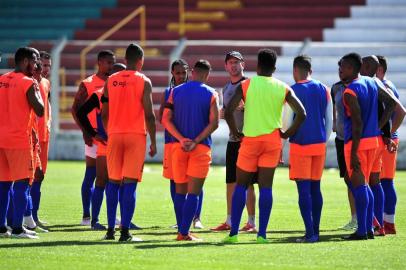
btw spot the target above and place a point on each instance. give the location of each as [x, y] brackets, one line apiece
[357, 126]
[300, 114]
[161, 108]
[149, 116]
[35, 100]
[105, 107]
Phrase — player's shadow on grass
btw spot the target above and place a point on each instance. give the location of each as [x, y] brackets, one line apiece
[299, 231]
[173, 232]
[323, 238]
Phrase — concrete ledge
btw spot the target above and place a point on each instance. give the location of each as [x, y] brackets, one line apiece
[381, 11]
[369, 23]
[364, 35]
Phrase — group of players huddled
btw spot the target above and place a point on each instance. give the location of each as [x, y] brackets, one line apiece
[114, 110]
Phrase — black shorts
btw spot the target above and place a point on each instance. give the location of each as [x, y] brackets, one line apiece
[231, 163]
[340, 157]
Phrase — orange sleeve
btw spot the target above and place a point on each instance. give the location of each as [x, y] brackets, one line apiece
[245, 84]
[170, 98]
[28, 82]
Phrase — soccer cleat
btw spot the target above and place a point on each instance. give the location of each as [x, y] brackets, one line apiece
[222, 227]
[197, 224]
[42, 223]
[175, 226]
[248, 228]
[110, 235]
[127, 237]
[311, 239]
[4, 233]
[230, 239]
[134, 227]
[389, 227]
[380, 232]
[37, 229]
[30, 232]
[354, 236]
[86, 221]
[29, 222]
[376, 224]
[24, 235]
[189, 237]
[262, 240]
[350, 226]
[98, 227]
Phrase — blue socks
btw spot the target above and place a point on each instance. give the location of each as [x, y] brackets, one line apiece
[28, 210]
[379, 199]
[390, 196]
[189, 211]
[265, 207]
[179, 202]
[127, 200]
[199, 206]
[112, 201]
[5, 188]
[370, 211]
[361, 198]
[97, 200]
[10, 210]
[305, 205]
[87, 189]
[317, 205]
[172, 188]
[20, 203]
[36, 198]
[238, 204]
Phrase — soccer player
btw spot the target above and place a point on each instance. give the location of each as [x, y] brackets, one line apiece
[43, 127]
[190, 116]
[308, 145]
[20, 101]
[234, 65]
[388, 160]
[105, 61]
[264, 97]
[338, 127]
[127, 114]
[361, 131]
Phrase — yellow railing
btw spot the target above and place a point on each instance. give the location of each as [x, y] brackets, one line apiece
[63, 98]
[182, 17]
[139, 11]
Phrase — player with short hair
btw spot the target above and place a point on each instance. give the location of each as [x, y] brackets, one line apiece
[127, 114]
[20, 104]
[264, 97]
[234, 65]
[190, 116]
[361, 130]
[308, 145]
[105, 61]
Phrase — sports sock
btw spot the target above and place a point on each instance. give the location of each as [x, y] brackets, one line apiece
[20, 203]
[28, 210]
[128, 201]
[36, 198]
[199, 205]
[120, 198]
[361, 199]
[238, 204]
[112, 201]
[179, 202]
[305, 205]
[189, 210]
[265, 206]
[379, 200]
[87, 189]
[317, 205]
[370, 210]
[251, 220]
[172, 188]
[10, 209]
[97, 200]
[228, 220]
[390, 197]
[5, 188]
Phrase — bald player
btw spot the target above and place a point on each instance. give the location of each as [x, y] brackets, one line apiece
[127, 115]
[105, 61]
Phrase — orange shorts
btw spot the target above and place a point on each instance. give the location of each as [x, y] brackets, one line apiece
[43, 155]
[306, 167]
[389, 163]
[125, 156]
[366, 158]
[101, 149]
[16, 164]
[377, 166]
[255, 152]
[190, 164]
[167, 161]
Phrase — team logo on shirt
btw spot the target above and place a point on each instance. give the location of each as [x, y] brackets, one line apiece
[4, 85]
[117, 83]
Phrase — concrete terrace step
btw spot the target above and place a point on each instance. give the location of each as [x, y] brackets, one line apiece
[372, 23]
[381, 11]
[364, 35]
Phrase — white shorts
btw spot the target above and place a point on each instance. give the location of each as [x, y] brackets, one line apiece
[91, 151]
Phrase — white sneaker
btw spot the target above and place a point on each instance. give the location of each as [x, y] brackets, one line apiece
[29, 222]
[350, 226]
[175, 226]
[7, 234]
[24, 235]
[30, 232]
[197, 224]
[85, 221]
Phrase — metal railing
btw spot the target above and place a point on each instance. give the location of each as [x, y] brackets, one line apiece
[141, 10]
[182, 18]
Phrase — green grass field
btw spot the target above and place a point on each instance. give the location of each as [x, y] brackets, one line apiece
[69, 246]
